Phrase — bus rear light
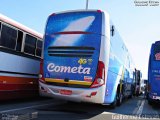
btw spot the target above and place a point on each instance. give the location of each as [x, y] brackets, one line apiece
[100, 76]
[93, 93]
[41, 76]
[53, 14]
[99, 11]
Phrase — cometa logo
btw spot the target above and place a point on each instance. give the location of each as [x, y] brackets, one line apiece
[67, 69]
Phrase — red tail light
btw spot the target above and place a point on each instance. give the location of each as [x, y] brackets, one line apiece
[41, 76]
[99, 11]
[100, 76]
[53, 14]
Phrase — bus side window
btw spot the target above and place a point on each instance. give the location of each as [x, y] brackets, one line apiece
[0, 26]
[19, 41]
[8, 37]
[39, 48]
[149, 62]
[134, 77]
[0, 29]
[30, 44]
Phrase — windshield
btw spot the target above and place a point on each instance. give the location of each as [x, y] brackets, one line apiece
[74, 21]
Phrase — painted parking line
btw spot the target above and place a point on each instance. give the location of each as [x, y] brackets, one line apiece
[137, 107]
[140, 109]
[23, 108]
[31, 106]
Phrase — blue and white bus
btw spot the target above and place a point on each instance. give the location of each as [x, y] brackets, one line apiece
[84, 59]
[154, 73]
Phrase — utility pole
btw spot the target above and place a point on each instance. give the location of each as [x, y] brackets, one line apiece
[87, 2]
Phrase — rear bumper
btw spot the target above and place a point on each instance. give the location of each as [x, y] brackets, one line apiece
[154, 97]
[78, 94]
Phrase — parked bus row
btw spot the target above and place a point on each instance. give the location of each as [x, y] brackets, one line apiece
[138, 83]
[85, 60]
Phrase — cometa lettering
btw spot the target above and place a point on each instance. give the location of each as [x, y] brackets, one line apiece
[67, 69]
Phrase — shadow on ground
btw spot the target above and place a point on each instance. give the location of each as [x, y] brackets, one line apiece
[77, 111]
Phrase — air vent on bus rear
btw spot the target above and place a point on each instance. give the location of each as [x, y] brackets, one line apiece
[68, 51]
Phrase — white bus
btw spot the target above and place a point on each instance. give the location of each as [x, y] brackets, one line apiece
[20, 52]
[84, 59]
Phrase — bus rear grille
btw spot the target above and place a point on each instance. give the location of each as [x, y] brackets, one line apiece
[63, 51]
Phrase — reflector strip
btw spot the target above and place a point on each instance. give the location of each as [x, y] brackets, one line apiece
[69, 82]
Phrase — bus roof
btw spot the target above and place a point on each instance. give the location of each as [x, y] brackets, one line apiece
[19, 26]
[157, 42]
[77, 11]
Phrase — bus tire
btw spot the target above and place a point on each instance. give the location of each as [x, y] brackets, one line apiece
[150, 102]
[147, 95]
[120, 99]
[130, 96]
[114, 103]
[132, 92]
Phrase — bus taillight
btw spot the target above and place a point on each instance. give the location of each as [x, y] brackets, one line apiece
[99, 11]
[41, 76]
[100, 76]
[53, 14]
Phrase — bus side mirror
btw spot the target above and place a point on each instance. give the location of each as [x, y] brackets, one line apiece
[112, 30]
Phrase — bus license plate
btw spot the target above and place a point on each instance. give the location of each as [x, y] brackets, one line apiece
[66, 92]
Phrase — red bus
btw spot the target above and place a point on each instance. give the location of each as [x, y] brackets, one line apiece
[20, 53]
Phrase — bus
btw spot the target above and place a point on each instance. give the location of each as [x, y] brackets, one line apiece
[154, 73]
[20, 53]
[85, 60]
[138, 77]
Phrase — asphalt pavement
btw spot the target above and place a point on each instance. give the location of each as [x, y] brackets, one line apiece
[55, 109]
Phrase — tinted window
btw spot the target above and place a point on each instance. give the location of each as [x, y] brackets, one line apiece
[19, 41]
[157, 52]
[39, 48]
[0, 26]
[8, 37]
[74, 21]
[30, 44]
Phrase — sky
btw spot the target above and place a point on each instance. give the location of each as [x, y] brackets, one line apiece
[139, 26]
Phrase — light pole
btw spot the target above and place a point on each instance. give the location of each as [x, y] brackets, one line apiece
[87, 2]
